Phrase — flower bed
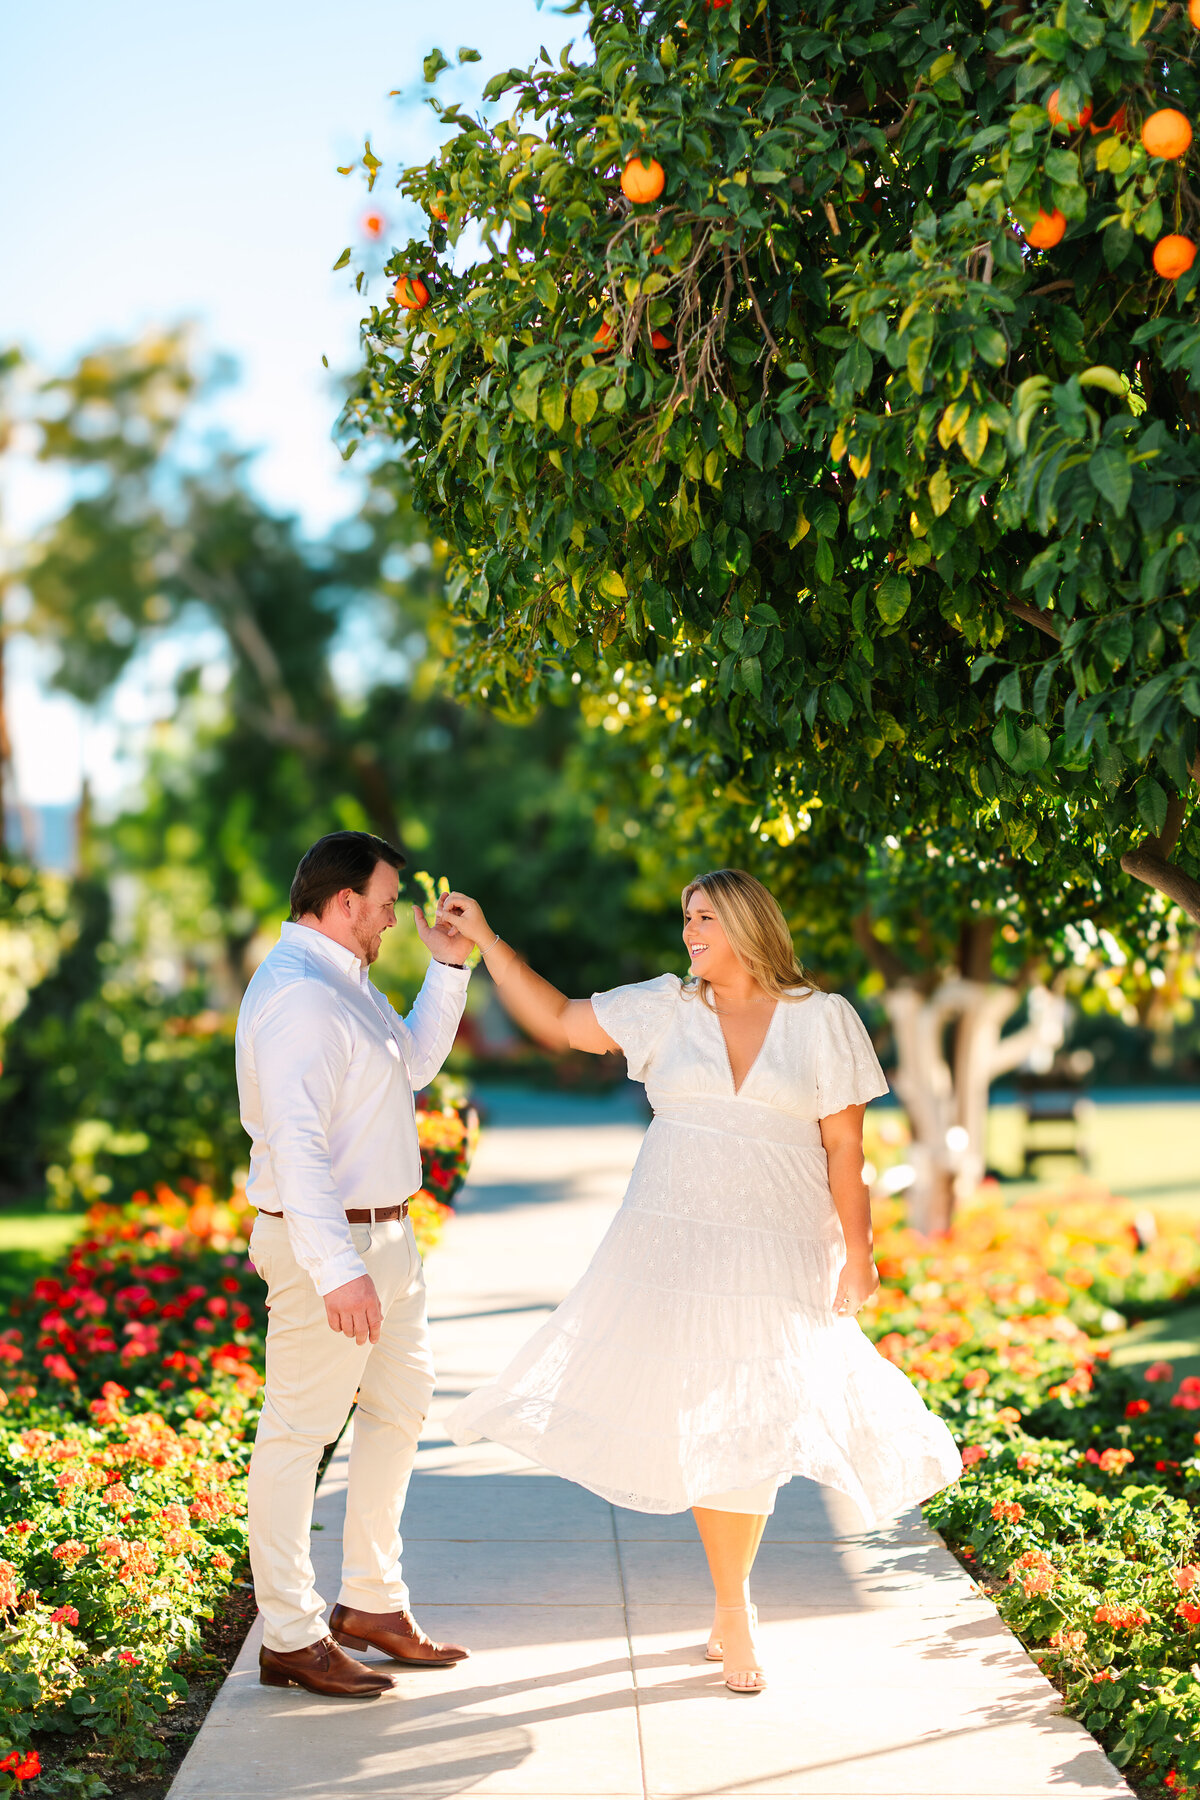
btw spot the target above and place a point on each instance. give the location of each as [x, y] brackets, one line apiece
[129, 1389]
[1076, 1510]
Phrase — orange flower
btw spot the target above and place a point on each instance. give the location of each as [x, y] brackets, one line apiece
[10, 1586]
[1011, 1511]
[1136, 1408]
[71, 1552]
[1186, 1578]
[975, 1453]
[1122, 1618]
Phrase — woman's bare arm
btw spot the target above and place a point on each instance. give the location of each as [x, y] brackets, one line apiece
[841, 1134]
[534, 1003]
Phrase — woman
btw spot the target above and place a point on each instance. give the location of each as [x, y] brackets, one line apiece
[710, 1351]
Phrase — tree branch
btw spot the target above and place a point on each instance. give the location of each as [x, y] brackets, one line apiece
[1145, 864]
[1033, 615]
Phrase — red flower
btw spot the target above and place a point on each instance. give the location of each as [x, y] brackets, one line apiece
[1186, 1578]
[1135, 1408]
[66, 1615]
[1011, 1511]
[1159, 1371]
[22, 1768]
[974, 1453]
[127, 1656]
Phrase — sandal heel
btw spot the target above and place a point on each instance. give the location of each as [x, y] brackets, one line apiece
[350, 1643]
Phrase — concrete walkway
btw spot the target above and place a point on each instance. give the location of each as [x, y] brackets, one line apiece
[890, 1675]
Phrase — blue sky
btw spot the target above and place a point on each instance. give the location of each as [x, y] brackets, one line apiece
[167, 163]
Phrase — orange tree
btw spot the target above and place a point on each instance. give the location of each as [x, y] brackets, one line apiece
[844, 489]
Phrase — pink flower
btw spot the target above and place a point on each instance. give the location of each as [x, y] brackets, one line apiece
[974, 1453]
[1159, 1371]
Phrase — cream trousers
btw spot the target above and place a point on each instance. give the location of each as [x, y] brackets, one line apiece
[313, 1374]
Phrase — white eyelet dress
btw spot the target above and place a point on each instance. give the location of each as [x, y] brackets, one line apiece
[699, 1360]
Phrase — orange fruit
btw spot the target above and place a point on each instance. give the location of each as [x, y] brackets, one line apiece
[1194, 13]
[374, 224]
[411, 293]
[659, 340]
[438, 212]
[1047, 230]
[603, 338]
[642, 180]
[717, 5]
[1167, 134]
[1120, 118]
[1173, 256]
[1057, 119]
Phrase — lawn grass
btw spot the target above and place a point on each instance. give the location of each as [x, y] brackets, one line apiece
[33, 1242]
[1145, 1152]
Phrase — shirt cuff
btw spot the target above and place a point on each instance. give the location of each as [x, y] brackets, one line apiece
[450, 974]
[337, 1270]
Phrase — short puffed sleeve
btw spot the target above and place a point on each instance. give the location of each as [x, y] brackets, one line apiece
[637, 1018]
[847, 1068]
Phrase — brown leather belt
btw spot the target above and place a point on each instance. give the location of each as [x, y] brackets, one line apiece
[359, 1215]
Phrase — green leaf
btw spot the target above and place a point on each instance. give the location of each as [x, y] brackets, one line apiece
[343, 259]
[467, 55]
[525, 393]
[1140, 16]
[1151, 804]
[1033, 750]
[751, 670]
[892, 598]
[941, 492]
[612, 586]
[992, 345]
[1111, 476]
[433, 65]
[554, 405]
[1006, 739]
[585, 404]
[1008, 692]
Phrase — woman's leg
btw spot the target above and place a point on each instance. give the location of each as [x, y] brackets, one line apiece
[731, 1541]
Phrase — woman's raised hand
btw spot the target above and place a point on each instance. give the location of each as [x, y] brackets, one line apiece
[458, 912]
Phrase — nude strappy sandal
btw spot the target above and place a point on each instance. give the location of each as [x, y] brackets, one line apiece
[760, 1680]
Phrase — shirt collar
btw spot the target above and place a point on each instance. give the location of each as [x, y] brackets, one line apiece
[348, 961]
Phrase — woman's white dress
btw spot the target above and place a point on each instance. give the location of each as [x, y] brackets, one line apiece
[700, 1352]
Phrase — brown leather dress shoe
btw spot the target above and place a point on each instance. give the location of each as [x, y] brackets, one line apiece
[397, 1634]
[323, 1669]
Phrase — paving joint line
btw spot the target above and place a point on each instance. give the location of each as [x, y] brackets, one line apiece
[633, 1674]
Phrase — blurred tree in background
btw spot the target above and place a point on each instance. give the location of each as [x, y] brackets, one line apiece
[117, 1067]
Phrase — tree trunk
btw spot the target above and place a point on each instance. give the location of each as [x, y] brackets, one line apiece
[946, 1098]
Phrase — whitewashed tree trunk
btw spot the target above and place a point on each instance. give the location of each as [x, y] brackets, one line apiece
[947, 1103]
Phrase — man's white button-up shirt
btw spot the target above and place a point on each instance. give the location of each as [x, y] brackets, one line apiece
[326, 1072]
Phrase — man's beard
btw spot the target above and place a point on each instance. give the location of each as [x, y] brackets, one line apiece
[369, 946]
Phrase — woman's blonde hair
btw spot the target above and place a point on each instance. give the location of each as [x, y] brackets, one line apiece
[757, 931]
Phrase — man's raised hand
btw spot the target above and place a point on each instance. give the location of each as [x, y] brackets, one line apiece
[354, 1310]
[442, 941]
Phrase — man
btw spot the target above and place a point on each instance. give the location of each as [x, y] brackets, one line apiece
[326, 1074]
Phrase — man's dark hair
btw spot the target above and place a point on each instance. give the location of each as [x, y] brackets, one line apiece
[344, 859]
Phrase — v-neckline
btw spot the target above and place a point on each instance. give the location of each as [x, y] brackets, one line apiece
[757, 1057]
